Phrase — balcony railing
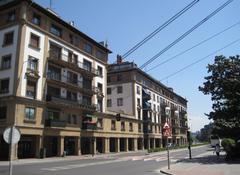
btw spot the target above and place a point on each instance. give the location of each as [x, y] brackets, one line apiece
[55, 123]
[69, 102]
[72, 62]
[74, 82]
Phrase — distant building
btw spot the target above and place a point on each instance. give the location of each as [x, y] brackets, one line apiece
[133, 92]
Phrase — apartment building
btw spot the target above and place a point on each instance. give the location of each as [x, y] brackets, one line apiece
[52, 83]
[131, 91]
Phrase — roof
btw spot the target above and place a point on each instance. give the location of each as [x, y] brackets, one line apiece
[56, 18]
[131, 66]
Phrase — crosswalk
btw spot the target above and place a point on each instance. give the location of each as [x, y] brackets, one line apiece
[108, 160]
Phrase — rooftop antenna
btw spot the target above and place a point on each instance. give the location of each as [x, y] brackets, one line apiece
[50, 4]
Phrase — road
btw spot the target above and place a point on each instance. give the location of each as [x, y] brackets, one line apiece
[110, 165]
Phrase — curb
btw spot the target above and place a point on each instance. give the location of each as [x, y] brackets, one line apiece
[164, 172]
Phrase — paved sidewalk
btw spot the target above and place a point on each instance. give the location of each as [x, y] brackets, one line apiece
[204, 164]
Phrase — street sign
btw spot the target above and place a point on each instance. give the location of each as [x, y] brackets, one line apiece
[166, 126]
[167, 132]
[11, 132]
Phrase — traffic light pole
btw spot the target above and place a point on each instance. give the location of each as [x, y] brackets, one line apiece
[168, 155]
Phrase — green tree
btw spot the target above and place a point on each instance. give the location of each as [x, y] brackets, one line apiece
[223, 84]
[204, 134]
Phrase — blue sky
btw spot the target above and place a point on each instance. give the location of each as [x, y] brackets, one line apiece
[125, 22]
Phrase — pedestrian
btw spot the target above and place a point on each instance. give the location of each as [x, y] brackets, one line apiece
[217, 149]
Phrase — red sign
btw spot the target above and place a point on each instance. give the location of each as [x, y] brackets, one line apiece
[166, 126]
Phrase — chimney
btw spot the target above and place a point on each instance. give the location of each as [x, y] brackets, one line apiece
[119, 59]
[71, 23]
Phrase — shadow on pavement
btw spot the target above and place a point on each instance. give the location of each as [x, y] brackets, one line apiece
[210, 159]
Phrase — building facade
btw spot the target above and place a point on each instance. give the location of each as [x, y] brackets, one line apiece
[133, 92]
[53, 88]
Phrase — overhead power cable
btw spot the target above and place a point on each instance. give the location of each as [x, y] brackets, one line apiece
[186, 34]
[201, 59]
[198, 44]
[173, 18]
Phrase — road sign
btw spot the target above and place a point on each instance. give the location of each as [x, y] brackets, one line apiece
[11, 132]
[167, 132]
[166, 126]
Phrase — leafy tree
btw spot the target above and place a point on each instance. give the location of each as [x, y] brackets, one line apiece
[204, 134]
[223, 84]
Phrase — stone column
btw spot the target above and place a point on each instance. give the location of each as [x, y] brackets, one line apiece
[93, 145]
[126, 144]
[60, 145]
[117, 145]
[135, 144]
[154, 143]
[78, 146]
[106, 145]
[149, 144]
[39, 145]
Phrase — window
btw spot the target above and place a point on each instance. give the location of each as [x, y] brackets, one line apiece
[11, 16]
[120, 102]
[34, 41]
[119, 89]
[87, 48]
[72, 119]
[36, 19]
[32, 63]
[30, 113]
[154, 107]
[72, 78]
[139, 114]
[109, 102]
[109, 91]
[8, 38]
[158, 99]
[72, 58]
[113, 125]
[138, 102]
[100, 87]
[130, 127]
[87, 83]
[56, 30]
[119, 77]
[4, 86]
[100, 105]
[100, 71]
[100, 54]
[108, 79]
[31, 89]
[154, 97]
[71, 96]
[138, 90]
[6, 62]
[87, 65]
[122, 126]
[54, 73]
[53, 114]
[100, 123]
[139, 127]
[3, 112]
[87, 100]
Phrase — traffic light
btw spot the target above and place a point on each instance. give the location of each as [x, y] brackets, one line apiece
[118, 117]
[189, 136]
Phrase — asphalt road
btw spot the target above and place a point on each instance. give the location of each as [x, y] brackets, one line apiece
[116, 165]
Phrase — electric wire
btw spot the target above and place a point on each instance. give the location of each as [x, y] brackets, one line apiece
[196, 45]
[201, 59]
[186, 34]
[160, 28]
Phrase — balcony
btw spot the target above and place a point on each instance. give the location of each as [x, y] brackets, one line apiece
[34, 74]
[146, 106]
[57, 100]
[65, 60]
[55, 123]
[146, 95]
[75, 84]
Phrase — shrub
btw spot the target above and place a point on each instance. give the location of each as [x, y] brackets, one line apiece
[229, 146]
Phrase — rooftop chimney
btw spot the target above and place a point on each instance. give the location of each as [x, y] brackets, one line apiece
[119, 59]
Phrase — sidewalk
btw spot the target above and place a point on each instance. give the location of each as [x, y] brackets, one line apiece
[204, 164]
